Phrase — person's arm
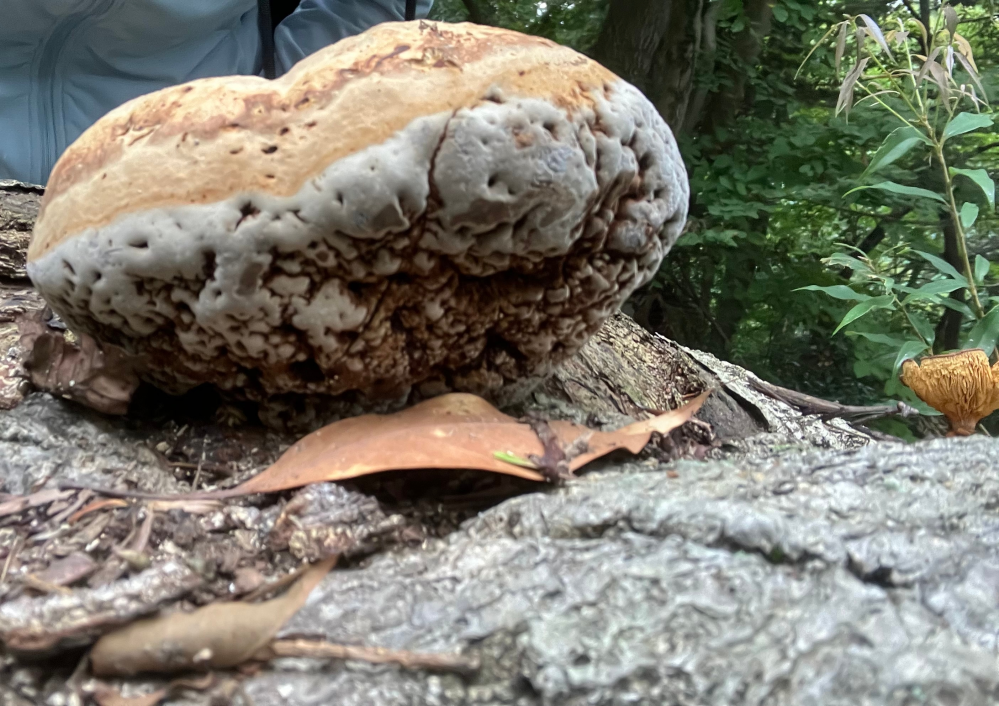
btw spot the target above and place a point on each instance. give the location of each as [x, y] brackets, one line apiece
[319, 23]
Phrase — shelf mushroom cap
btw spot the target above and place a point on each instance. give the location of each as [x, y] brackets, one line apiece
[960, 385]
[424, 206]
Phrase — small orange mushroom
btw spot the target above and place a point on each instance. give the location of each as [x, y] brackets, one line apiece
[961, 385]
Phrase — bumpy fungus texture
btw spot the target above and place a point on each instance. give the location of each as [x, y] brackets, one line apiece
[420, 208]
[962, 386]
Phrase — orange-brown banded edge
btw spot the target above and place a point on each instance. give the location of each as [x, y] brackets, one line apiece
[274, 136]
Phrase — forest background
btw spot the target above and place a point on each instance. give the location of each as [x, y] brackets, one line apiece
[772, 152]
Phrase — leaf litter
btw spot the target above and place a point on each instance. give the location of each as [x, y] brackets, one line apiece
[453, 431]
[456, 431]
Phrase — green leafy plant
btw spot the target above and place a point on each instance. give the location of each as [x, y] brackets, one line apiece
[937, 98]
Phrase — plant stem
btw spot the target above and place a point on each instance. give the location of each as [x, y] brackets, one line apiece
[962, 245]
[908, 318]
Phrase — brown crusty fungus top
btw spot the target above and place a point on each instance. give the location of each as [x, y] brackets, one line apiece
[961, 385]
[430, 205]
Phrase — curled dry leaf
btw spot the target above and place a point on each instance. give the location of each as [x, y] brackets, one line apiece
[962, 386]
[458, 430]
[109, 696]
[99, 376]
[217, 636]
[841, 45]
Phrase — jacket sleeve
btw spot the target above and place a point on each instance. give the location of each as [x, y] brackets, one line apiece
[318, 23]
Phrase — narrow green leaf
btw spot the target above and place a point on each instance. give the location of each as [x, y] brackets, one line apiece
[969, 214]
[981, 268]
[957, 306]
[780, 13]
[865, 307]
[878, 338]
[938, 287]
[910, 350]
[844, 260]
[941, 264]
[982, 178]
[514, 459]
[985, 332]
[966, 122]
[900, 141]
[924, 327]
[837, 291]
[901, 189]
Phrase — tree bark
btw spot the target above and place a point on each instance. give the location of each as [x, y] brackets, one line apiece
[725, 104]
[654, 44]
[948, 330]
[18, 210]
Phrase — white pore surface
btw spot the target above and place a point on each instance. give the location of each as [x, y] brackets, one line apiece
[468, 250]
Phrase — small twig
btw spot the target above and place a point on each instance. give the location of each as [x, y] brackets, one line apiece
[807, 404]
[139, 495]
[554, 464]
[376, 655]
[206, 467]
[10, 557]
[44, 586]
[145, 532]
[81, 498]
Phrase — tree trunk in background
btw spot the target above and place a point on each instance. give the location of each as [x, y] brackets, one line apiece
[654, 45]
[723, 106]
[480, 12]
[948, 330]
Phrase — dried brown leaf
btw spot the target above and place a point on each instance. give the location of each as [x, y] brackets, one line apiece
[875, 32]
[939, 76]
[217, 636]
[841, 45]
[971, 72]
[109, 696]
[925, 68]
[459, 431]
[950, 17]
[964, 48]
[100, 377]
[846, 89]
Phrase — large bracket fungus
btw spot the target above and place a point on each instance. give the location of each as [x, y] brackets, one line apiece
[419, 208]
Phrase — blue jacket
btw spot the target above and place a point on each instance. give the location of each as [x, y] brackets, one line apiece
[65, 63]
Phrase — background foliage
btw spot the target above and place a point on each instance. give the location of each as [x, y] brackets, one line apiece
[770, 162]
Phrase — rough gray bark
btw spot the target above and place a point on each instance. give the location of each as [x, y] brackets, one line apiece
[804, 576]
[18, 209]
[800, 564]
